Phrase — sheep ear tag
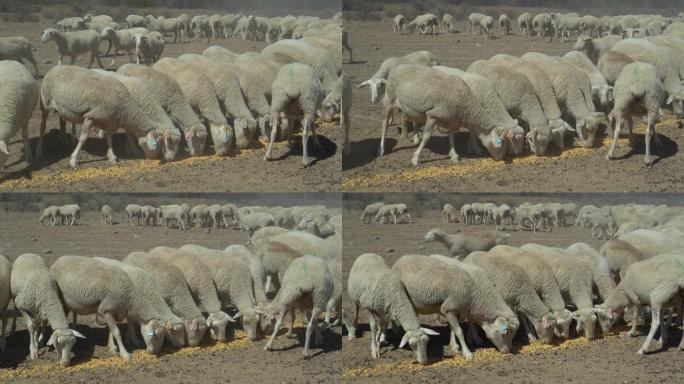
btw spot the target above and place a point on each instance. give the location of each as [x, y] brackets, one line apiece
[150, 333]
[503, 329]
[152, 143]
[498, 141]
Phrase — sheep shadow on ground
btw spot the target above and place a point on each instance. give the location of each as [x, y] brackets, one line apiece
[365, 151]
[327, 149]
[668, 148]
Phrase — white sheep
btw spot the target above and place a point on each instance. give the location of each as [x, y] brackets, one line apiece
[423, 23]
[525, 23]
[505, 24]
[69, 213]
[449, 213]
[487, 25]
[461, 244]
[474, 20]
[122, 40]
[611, 63]
[18, 98]
[651, 242]
[600, 90]
[74, 44]
[377, 289]
[599, 266]
[106, 214]
[148, 47]
[50, 213]
[619, 256]
[595, 48]
[370, 211]
[17, 48]
[135, 21]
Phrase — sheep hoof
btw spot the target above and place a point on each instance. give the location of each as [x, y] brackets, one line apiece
[73, 163]
[415, 162]
[468, 356]
[126, 356]
[641, 352]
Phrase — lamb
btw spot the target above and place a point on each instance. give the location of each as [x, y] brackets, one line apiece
[449, 213]
[505, 24]
[454, 292]
[637, 88]
[448, 23]
[298, 94]
[123, 39]
[517, 291]
[35, 296]
[518, 96]
[199, 91]
[106, 214]
[474, 20]
[573, 90]
[18, 98]
[74, 44]
[600, 89]
[17, 48]
[148, 47]
[574, 280]
[657, 282]
[233, 281]
[525, 23]
[484, 90]
[174, 289]
[5, 296]
[147, 291]
[543, 281]
[134, 211]
[461, 244]
[200, 283]
[142, 95]
[135, 21]
[449, 108]
[611, 63]
[227, 86]
[376, 288]
[603, 283]
[62, 90]
[88, 287]
[50, 213]
[619, 255]
[69, 213]
[595, 48]
[487, 25]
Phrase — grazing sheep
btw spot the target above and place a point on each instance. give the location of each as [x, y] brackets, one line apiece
[399, 25]
[134, 211]
[505, 24]
[370, 211]
[35, 296]
[18, 98]
[619, 256]
[50, 213]
[174, 289]
[474, 20]
[5, 296]
[256, 270]
[611, 63]
[515, 287]
[148, 47]
[603, 283]
[69, 213]
[542, 25]
[650, 242]
[135, 21]
[600, 90]
[461, 244]
[151, 215]
[297, 93]
[525, 23]
[449, 213]
[448, 23]
[219, 53]
[71, 24]
[106, 214]
[658, 282]
[467, 214]
[123, 39]
[385, 213]
[63, 90]
[423, 23]
[175, 212]
[595, 48]
[376, 288]
[17, 48]
[199, 91]
[89, 287]
[74, 44]
[251, 222]
[501, 214]
[487, 25]
[454, 293]
[637, 88]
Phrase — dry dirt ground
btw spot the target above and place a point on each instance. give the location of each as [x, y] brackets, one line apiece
[581, 169]
[246, 171]
[239, 360]
[610, 359]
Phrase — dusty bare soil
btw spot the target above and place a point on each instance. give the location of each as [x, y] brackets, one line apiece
[239, 360]
[574, 170]
[610, 359]
[246, 171]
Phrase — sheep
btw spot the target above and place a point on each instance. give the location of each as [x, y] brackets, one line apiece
[18, 98]
[487, 25]
[379, 78]
[63, 89]
[466, 213]
[175, 212]
[50, 213]
[256, 270]
[513, 284]
[199, 91]
[35, 296]
[449, 213]
[374, 287]
[346, 45]
[135, 21]
[589, 25]
[566, 24]
[455, 293]
[595, 48]
[74, 44]
[200, 26]
[233, 281]
[619, 255]
[227, 86]
[650, 242]
[69, 213]
[5, 296]
[573, 90]
[134, 211]
[142, 95]
[123, 39]
[17, 48]
[148, 47]
[71, 24]
[200, 283]
[603, 283]
[525, 23]
[246, 27]
[150, 215]
[485, 92]
[574, 280]
[424, 22]
[637, 88]
[543, 281]
[298, 94]
[542, 24]
[461, 244]
[170, 25]
[600, 90]
[386, 212]
[520, 100]
[219, 53]
[147, 291]
[501, 214]
[610, 65]
[370, 211]
[106, 214]
[174, 289]
[474, 20]
[657, 282]
[505, 24]
[87, 287]
[450, 109]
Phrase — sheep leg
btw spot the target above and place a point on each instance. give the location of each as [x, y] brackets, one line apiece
[456, 328]
[426, 136]
[31, 327]
[665, 328]
[87, 124]
[276, 328]
[635, 319]
[656, 322]
[650, 131]
[306, 126]
[452, 146]
[313, 323]
[110, 148]
[274, 132]
[385, 122]
[375, 347]
[528, 329]
[290, 329]
[44, 112]
[116, 334]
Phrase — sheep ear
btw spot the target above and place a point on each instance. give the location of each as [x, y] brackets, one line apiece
[230, 319]
[209, 323]
[404, 340]
[429, 332]
[52, 339]
[237, 315]
[568, 127]
[574, 315]
[668, 102]
[77, 334]
[3, 148]
[364, 84]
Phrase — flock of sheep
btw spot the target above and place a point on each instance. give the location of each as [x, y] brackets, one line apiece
[507, 101]
[231, 101]
[178, 294]
[540, 289]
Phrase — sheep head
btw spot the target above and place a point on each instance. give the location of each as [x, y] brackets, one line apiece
[63, 340]
[545, 327]
[677, 100]
[153, 333]
[217, 323]
[500, 332]
[175, 332]
[195, 330]
[375, 85]
[196, 138]
[417, 339]
[494, 143]
[539, 138]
